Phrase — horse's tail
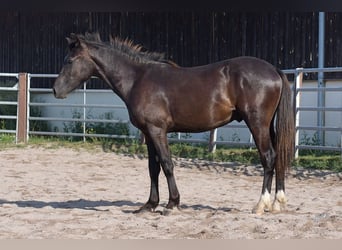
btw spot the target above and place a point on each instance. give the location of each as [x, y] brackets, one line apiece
[285, 129]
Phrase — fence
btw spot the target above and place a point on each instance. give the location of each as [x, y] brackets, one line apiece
[20, 103]
[320, 109]
[84, 106]
[5, 90]
[25, 105]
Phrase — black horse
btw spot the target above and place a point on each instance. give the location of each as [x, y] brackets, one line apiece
[162, 97]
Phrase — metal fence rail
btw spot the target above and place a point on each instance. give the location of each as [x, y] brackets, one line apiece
[212, 141]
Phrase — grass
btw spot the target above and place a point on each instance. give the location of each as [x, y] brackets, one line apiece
[323, 162]
[7, 139]
[315, 160]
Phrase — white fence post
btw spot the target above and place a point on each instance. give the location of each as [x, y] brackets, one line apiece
[28, 101]
[297, 94]
[84, 110]
[212, 140]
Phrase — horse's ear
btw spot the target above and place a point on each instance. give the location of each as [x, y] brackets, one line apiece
[69, 40]
[73, 41]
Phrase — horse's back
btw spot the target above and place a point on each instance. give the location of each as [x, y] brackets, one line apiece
[253, 69]
[249, 73]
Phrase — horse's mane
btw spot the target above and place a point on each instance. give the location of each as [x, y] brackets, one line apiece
[126, 47]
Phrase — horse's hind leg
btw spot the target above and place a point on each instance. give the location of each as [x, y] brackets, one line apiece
[280, 200]
[264, 142]
[154, 170]
[279, 203]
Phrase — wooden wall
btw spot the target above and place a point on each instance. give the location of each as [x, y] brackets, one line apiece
[34, 42]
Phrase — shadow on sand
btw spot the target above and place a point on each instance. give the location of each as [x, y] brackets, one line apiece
[71, 204]
[99, 205]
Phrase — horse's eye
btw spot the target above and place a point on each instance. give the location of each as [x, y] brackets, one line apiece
[67, 60]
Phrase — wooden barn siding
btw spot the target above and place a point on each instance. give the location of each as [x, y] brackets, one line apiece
[35, 42]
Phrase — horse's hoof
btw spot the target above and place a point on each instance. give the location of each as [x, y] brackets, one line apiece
[139, 211]
[258, 211]
[278, 207]
[145, 208]
[167, 211]
[279, 204]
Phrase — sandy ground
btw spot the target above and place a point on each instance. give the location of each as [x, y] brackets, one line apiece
[78, 194]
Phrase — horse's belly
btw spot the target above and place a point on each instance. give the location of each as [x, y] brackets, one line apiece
[201, 121]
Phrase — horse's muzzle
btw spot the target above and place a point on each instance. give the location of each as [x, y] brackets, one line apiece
[56, 94]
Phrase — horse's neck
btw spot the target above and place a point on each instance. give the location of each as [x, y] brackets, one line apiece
[119, 75]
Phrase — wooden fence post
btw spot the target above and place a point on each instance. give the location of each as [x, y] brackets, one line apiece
[22, 108]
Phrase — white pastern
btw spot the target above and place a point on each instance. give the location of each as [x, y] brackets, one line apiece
[279, 203]
[264, 204]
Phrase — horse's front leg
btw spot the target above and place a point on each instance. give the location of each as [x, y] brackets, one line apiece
[159, 139]
[154, 170]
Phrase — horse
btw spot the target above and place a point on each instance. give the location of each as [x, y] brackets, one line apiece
[163, 97]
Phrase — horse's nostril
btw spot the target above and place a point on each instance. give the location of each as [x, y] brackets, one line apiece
[54, 91]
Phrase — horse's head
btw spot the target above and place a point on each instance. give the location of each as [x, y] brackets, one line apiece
[78, 67]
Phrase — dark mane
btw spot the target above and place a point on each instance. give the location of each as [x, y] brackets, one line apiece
[128, 48]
